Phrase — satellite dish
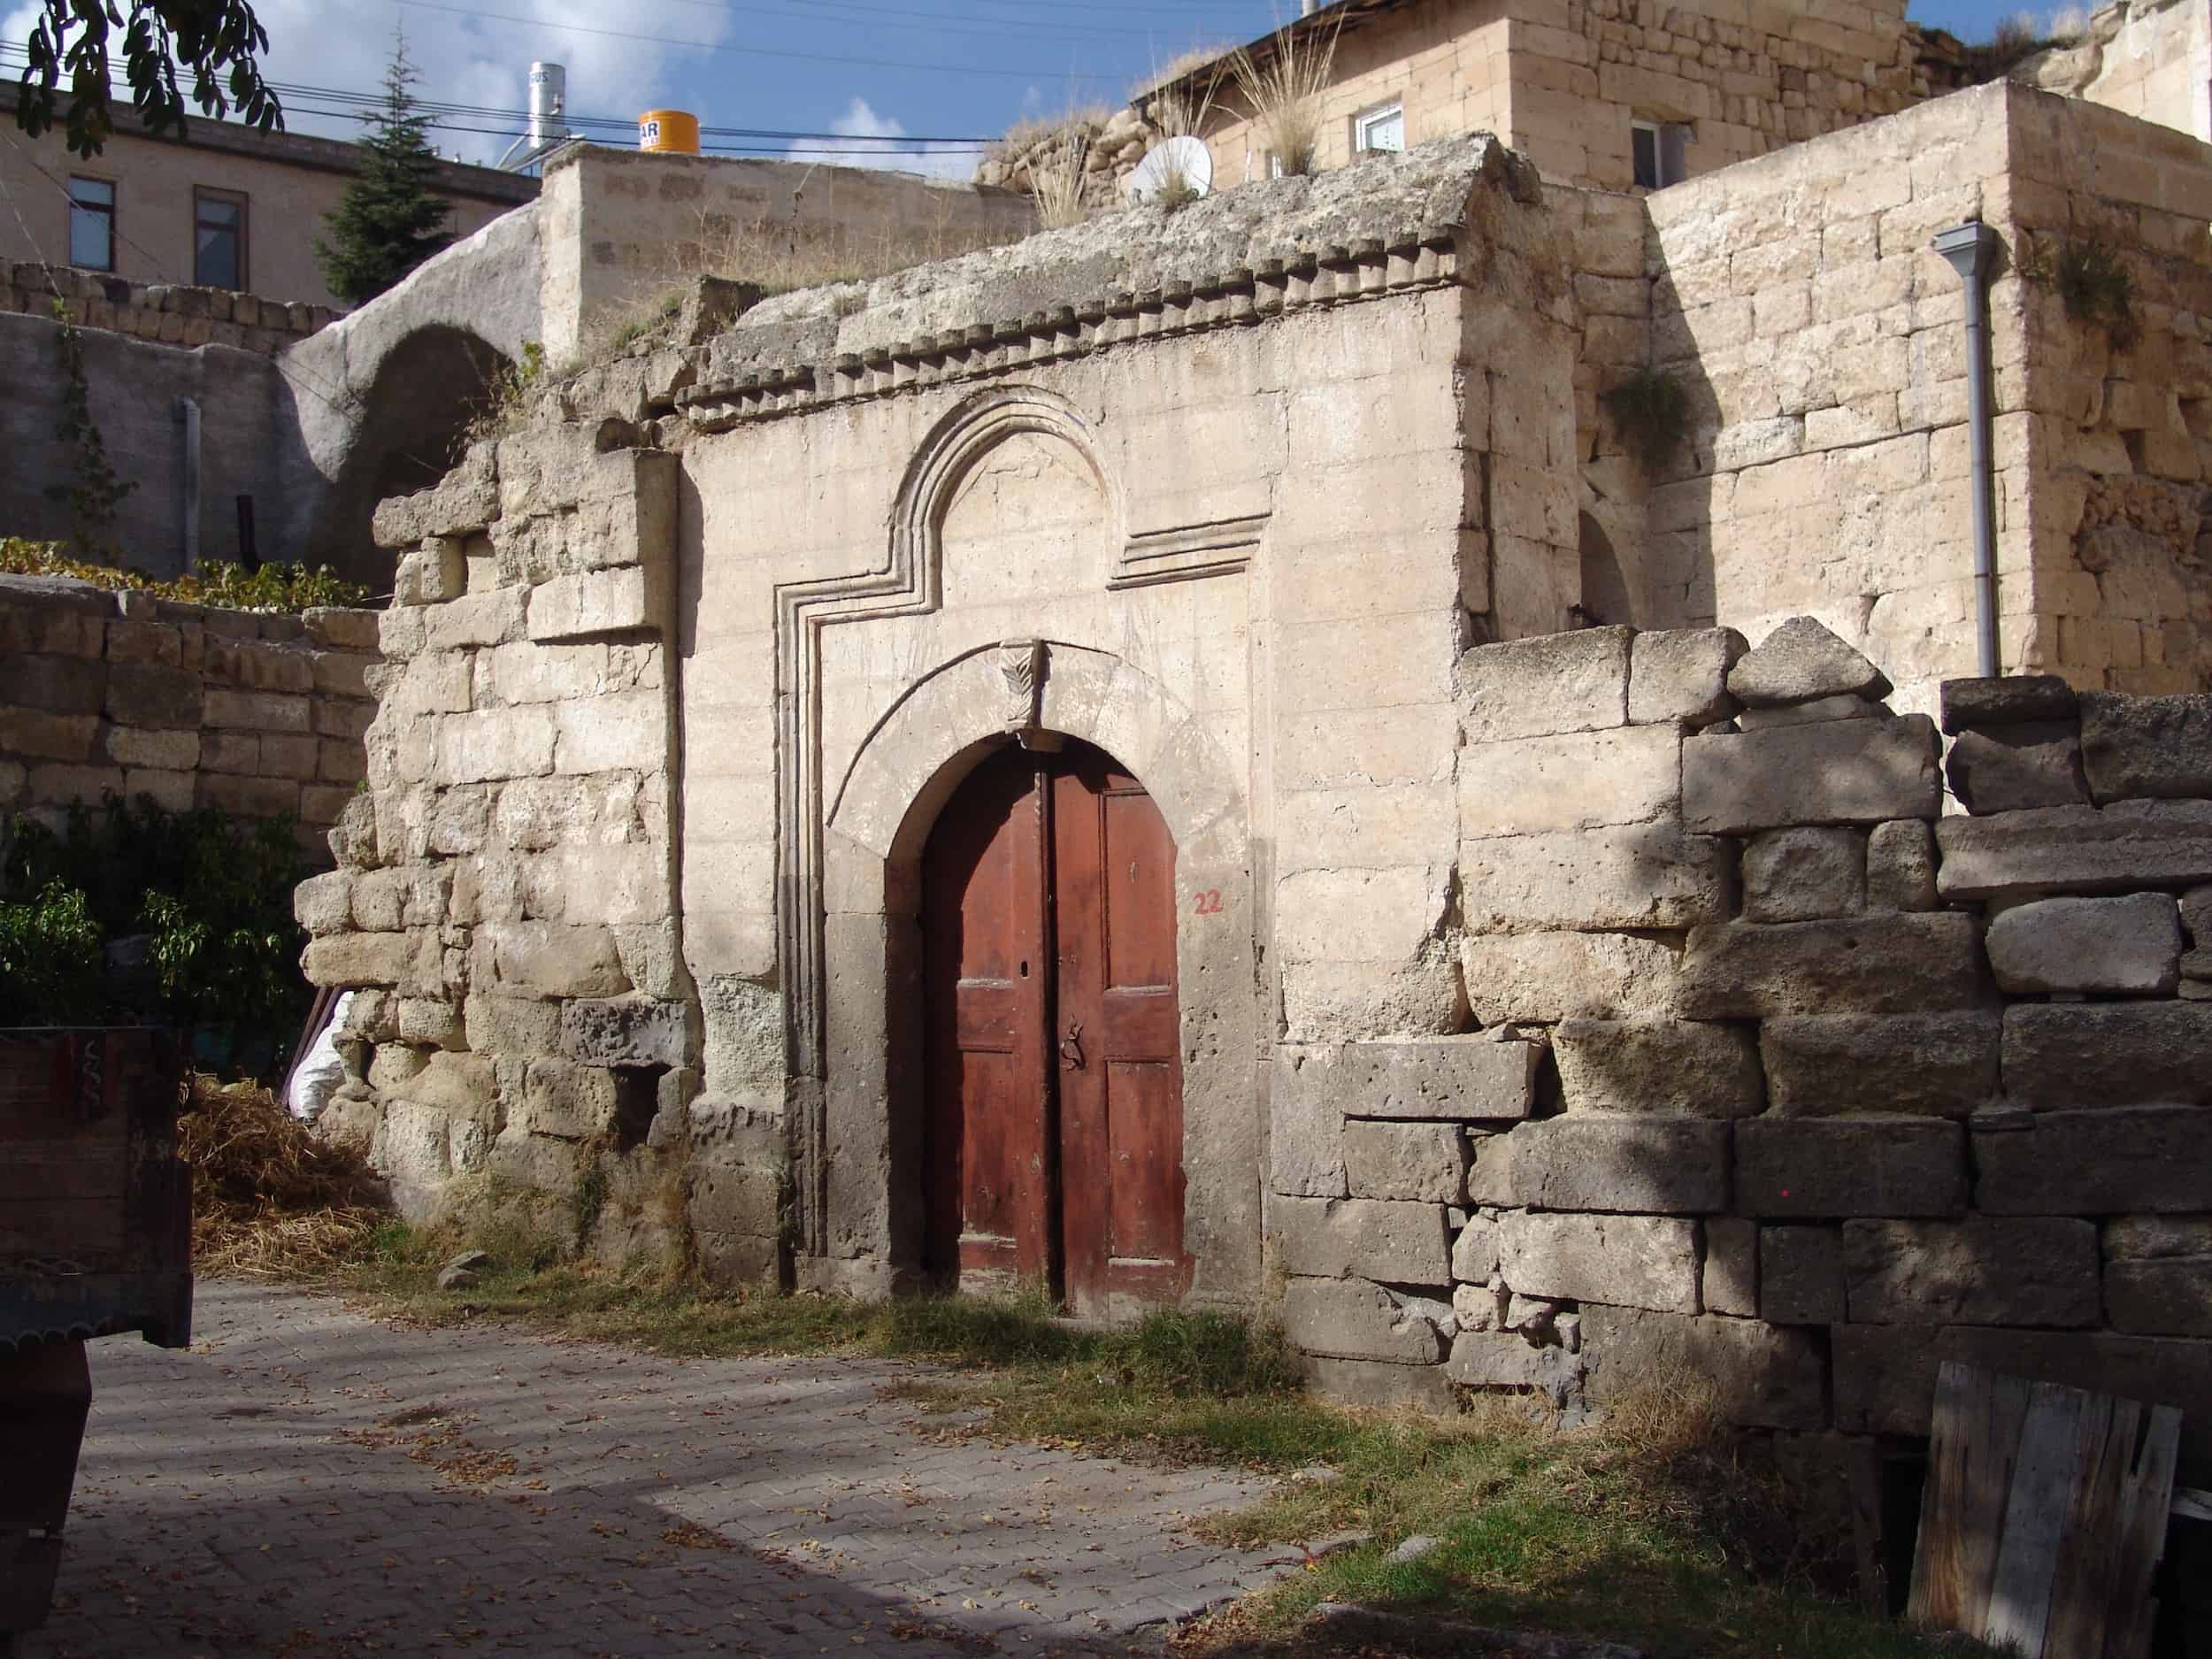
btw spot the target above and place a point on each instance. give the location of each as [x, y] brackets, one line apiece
[1182, 162]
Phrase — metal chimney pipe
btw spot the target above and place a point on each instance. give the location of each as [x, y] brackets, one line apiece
[1971, 249]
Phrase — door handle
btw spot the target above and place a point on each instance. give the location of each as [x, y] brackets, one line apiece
[1071, 1047]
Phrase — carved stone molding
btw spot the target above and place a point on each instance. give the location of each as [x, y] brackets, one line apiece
[1219, 548]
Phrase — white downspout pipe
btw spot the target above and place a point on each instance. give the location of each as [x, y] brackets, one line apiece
[1971, 249]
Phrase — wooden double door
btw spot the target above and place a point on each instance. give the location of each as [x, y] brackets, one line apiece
[1054, 1136]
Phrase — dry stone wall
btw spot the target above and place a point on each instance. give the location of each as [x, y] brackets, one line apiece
[1781, 1073]
[259, 716]
[172, 314]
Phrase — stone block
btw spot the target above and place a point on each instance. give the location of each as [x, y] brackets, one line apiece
[1544, 978]
[1502, 1359]
[1339, 1318]
[1801, 1275]
[1378, 1386]
[2110, 1160]
[1457, 1079]
[1660, 1165]
[474, 620]
[1840, 772]
[347, 959]
[1804, 874]
[285, 756]
[324, 905]
[1626, 1260]
[626, 1031]
[1558, 682]
[2137, 748]
[432, 573]
[1573, 780]
[229, 710]
[2196, 916]
[1730, 1283]
[1342, 1238]
[577, 1101]
[34, 734]
[1932, 1065]
[59, 685]
[2018, 767]
[461, 503]
[1802, 661]
[1423, 1161]
[1814, 713]
[1819, 1167]
[627, 730]
[1680, 675]
[492, 744]
[2121, 848]
[1669, 1067]
[2007, 700]
[592, 604]
[1887, 964]
[550, 959]
[1983, 1269]
[1637, 876]
[1900, 867]
[514, 1026]
[1885, 1378]
[428, 1020]
[340, 629]
[1762, 1377]
[1475, 1251]
[2170, 1295]
[165, 699]
[2127, 946]
[1305, 1142]
[164, 752]
[249, 798]
[2089, 1054]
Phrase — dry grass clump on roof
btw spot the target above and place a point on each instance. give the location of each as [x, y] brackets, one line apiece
[1284, 91]
[270, 1198]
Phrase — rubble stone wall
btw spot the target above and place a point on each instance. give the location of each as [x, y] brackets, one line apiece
[2148, 59]
[1777, 1072]
[174, 314]
[122, 694]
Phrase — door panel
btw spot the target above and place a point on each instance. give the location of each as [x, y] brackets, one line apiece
[1055, 1118]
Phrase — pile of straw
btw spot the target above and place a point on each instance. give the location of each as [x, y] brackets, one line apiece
[270, 1199]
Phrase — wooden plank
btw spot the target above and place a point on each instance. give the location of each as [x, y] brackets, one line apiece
[2089, 1556]
[2044, 1480]
[2144, 1507]
[1975, 1438]
[2192, 1504]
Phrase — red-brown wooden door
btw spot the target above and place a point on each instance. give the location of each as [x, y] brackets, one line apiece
[1055, 1129]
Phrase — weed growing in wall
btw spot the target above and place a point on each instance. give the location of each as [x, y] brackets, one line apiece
[289, 589]
[1649, 412]
[2097, 288]
[93, 493]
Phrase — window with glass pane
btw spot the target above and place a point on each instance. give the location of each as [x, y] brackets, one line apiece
[92, 224]
[219, 242]
[1383, 129]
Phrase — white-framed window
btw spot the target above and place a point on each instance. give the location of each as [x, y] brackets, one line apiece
[1661, 150]
[1381, 129]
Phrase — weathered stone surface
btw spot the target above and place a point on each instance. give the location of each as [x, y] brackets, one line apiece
[2007, 700]
[1576, 780]
[1423, 1161]
[2122, 946]
[1502, 1359]
[1680, 675]
[1664, 1166]
[591, 605]
[2018, 767]
[2092, 1053]
[2171, 1296]
[2112, 1160]
[142, 693]
[343, 959]
[1840, 772]
[1885, 1378]
[551, 959]
[1764, 1377]
[1900, 867]
[1475, 1251]
[1980, 1270]
[1378, 1386]
[1856, 1166]
[1484, 1306]
[1633, 876]
[1935, 1065]
[429, 1020]
[573, 1101]
[1801, 1275]
[628, 1031]
[1887, 964]
[1800, 661]
[1804, 874]
[2196, 916]
[2121, 848]
[1662, 1066]
[1543, 978]
[1811, 713]
[324, 905]
[1462, 1078]
[1730, 1283]
[2157, 1237]
[1339, 1318]
[2136, 747]
[1628, 1261]
[1336, 1238]
[1558, 682]
[492, 744]
[1305, 1142]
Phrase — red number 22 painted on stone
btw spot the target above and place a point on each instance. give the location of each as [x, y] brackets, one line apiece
[1206, 903]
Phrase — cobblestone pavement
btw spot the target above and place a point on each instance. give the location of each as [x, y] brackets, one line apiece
[307, 1483]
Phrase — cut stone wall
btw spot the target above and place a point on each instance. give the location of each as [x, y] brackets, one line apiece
[2148, 59]
[257, 716]
[1781, 1073]
[172, 314]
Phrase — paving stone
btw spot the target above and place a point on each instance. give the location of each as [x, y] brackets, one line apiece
[2127, 946]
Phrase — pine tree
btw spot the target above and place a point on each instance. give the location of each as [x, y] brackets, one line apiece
[390, 220]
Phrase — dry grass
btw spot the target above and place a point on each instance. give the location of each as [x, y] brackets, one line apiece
[271, 1199]
[1176, 68]
[1059, 179]
[1284, 93]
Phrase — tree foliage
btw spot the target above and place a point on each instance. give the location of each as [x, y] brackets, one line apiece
[390, 218]
[214, 43]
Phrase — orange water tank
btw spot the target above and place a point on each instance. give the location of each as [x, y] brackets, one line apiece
[669, 132]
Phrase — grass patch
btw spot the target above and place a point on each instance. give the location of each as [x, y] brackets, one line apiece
[1655, 1529]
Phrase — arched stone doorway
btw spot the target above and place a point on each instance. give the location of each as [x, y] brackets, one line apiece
[1052, 1136]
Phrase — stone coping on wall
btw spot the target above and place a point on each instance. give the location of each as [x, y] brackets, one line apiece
[1384, 223]
[170, 313]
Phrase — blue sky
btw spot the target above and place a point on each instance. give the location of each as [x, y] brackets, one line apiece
[880, 68]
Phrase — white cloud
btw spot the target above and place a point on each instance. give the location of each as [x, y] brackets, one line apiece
[860, 120]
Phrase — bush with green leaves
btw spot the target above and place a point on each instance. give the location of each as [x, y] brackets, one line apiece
[288, 587]
[210, 896]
